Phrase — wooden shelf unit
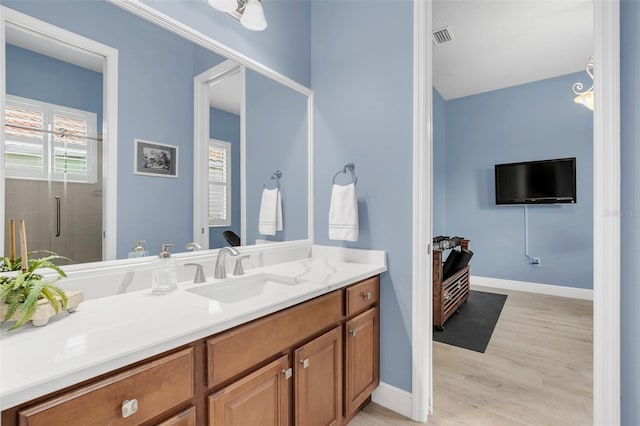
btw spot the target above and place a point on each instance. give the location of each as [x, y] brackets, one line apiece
[449, 294]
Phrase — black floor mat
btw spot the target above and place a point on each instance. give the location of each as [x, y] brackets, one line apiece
[473, 326]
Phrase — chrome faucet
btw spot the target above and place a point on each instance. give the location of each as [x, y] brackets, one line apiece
[193, 246]
[220, 270]
[200, 277]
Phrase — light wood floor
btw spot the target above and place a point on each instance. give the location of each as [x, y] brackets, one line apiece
[537, 370]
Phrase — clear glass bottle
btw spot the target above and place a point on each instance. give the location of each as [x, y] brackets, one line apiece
[164, 277]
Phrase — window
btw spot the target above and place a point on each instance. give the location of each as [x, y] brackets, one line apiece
[45, 141]
[219, 183]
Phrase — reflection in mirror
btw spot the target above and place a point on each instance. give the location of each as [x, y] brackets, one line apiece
[276, 136]
[53, 148]
[155, 72]
[225, 98]
[274, 119]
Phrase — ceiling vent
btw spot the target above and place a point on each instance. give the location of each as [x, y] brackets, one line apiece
[442, 36]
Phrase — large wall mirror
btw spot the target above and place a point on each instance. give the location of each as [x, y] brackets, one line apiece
[173, 144]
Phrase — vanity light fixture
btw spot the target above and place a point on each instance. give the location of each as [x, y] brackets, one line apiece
[585, 98]
[249, 12]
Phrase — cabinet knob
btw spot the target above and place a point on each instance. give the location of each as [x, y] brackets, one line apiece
[366, 295]
[129, 407]
[305, 363]
[287, 373]
[353, 332]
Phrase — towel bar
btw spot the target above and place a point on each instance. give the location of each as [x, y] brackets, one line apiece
[349, 167]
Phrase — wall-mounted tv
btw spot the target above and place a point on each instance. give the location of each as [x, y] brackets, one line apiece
[536, 182]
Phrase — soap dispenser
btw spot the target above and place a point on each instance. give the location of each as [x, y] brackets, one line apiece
[138, 250]
[164, 278]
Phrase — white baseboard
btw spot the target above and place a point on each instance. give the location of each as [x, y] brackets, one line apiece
[393, 398]
[552, 290]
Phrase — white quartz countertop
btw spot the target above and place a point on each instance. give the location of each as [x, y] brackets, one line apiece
[111, 332]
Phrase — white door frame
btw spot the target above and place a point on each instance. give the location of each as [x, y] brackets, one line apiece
[606, 223]
[201, 132]
[422, 329]
[109, 116]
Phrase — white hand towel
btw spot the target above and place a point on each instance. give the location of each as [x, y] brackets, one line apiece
[270, 219]
[343, 213]
[279, 212]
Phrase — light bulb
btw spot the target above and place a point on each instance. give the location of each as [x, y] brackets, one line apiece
[253, 16]
[224, 5]
[585, 99]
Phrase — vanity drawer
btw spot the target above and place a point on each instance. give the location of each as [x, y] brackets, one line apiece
[236, 351]
[157, 386]
[362, 295]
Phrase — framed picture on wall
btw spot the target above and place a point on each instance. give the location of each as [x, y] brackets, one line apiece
[155, 159]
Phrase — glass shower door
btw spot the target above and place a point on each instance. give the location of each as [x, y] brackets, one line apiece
[53, 180]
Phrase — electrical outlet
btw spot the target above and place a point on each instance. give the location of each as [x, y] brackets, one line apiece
[535, 261]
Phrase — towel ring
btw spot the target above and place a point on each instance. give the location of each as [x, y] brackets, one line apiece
[349, 167]
[275, 176]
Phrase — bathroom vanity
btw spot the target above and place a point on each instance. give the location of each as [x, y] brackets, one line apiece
[306, 356]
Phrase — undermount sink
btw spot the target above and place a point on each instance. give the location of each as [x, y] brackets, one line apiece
[232, 290]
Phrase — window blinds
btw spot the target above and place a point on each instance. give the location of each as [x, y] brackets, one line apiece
[47, 141]
[219, 184]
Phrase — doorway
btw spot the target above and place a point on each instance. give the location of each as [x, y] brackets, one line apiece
[59, 139]
[606, 200]
[218, 155]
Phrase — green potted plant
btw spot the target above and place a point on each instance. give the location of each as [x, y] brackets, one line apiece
[21, 293]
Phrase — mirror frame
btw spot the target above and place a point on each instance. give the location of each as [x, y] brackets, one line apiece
[109, 121]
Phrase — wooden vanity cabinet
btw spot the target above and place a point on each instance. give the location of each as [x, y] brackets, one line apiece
[315, 363]
[334, 373]
[233, 352]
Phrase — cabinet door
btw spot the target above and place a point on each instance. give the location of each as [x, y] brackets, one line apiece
[184, 418]
[318, 380]
[361, 359]
[259, 399]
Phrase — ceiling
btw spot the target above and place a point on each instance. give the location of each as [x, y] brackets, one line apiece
[496, 44]
[226, 93]
[503, 43]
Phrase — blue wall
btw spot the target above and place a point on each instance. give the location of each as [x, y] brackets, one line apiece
[35, 76]
[276, 139]
[533, 121]
[439, 154]
[284, 46]
[225, 127]
[630, 206]
[362, 74]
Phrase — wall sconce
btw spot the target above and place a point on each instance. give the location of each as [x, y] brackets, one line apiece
[585, 97]
[249, 12]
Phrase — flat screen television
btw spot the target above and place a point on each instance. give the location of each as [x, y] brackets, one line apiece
[536, 182]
